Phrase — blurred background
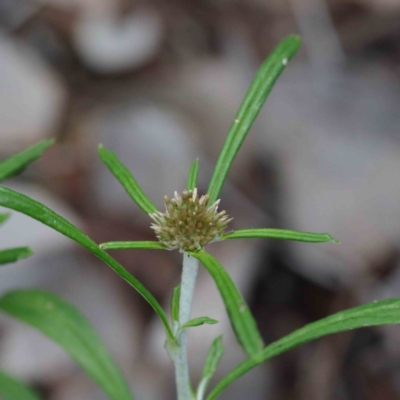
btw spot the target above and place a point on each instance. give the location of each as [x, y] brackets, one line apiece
[159, 83]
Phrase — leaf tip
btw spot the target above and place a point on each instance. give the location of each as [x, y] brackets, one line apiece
[28, 252]
[4, 217]
[332, 239]
[50, 141]
[295, 39]
[101, 149]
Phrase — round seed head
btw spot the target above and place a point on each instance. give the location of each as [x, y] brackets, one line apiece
[189, 222]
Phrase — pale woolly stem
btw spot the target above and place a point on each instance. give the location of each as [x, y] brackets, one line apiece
[178, 352]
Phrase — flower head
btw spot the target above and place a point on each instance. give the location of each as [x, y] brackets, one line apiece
[189, 222]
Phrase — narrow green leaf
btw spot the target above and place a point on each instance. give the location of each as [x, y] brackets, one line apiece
[12, 255]
[66, 326]
[175, 303]
[213, 357]
[4, 217]
[19, 161]
[127, 180]
[385, 312]
[13, 389]
[199, 321]
[193, 173]
[132, 245]
[241, 318]
[281, 234]
[248, 111]
[19, 202]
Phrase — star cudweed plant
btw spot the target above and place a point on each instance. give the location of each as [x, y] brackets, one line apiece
[189, 224]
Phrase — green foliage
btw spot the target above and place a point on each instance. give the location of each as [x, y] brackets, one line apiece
[213, 357]
[13, 255]
[67, 327]
[18, 162]
[281, 234]
[12, 389]
[193, 174]
[146, 245]
[19, 202]
[199, 321]
[175, 303]
[384, 312]
[241, 318]
[12, 166]
[4, 217]
[258, 92]
[127, 180]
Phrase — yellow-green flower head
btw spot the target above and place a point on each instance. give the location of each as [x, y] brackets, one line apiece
[189, 223]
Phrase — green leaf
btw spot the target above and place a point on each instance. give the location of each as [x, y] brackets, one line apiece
[385, 312]
[67, 327]
[248, 111]
[12, 389]
[132, 245]
[175, 303]
[19, 202]
[18, 162]
[213, 357]
[4, 217]
[281, 234]
[12, 255]
[127, 180]
[241, 318]
[199, 321]
[193, 173]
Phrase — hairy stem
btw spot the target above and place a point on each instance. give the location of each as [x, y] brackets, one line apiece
[178, 352]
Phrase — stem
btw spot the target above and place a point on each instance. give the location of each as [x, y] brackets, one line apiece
[178, 352]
